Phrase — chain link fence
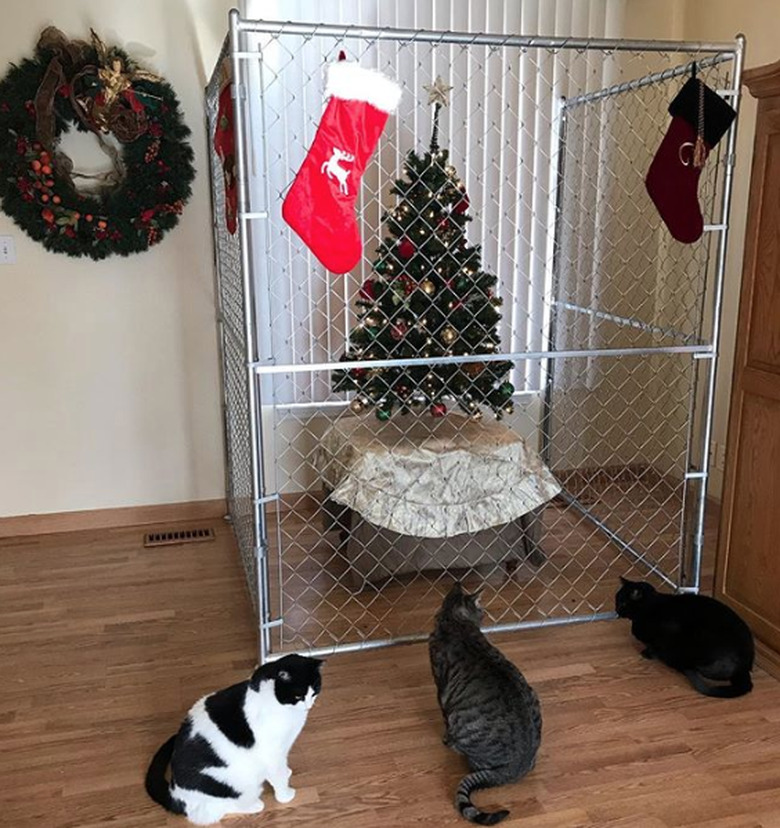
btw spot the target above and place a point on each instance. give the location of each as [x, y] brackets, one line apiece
[610, 326]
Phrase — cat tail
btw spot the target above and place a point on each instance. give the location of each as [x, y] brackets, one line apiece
[488, 778]
[156, 784]
[740, 685]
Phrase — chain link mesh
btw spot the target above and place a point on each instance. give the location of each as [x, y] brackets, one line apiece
[235, 356]
[585, 265]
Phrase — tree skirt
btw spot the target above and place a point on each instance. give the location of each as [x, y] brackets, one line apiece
[433, 478]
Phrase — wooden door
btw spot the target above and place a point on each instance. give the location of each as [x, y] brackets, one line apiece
[748, 563]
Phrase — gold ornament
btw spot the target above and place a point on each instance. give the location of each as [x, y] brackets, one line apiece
[371, 321]
[449, 335]
[357, 405]
[438, 92]
[428, 287]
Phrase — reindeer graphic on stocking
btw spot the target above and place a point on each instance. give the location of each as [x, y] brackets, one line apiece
[333, 170]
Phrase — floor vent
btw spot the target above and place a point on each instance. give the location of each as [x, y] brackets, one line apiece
[178, 536]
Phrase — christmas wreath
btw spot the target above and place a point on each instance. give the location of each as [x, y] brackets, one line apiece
[90, 87]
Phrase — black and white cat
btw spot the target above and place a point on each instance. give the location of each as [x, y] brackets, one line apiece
[491, 713]
[695, 634]
[233, 741]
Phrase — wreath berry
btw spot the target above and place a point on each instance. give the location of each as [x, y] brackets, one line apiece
[89, 87]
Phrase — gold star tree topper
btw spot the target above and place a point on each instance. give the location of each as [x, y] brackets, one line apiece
[438, 92]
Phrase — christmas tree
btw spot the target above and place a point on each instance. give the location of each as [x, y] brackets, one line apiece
[428, 298]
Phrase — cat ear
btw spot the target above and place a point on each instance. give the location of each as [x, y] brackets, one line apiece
[624, 581]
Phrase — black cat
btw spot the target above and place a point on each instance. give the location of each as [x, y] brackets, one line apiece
[695, 634]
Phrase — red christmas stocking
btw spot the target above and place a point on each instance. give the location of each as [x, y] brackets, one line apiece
[225, 147]
[700, 118]
[320, 203]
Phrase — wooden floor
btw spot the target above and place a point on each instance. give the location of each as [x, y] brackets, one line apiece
[105, 644]
[321, 604]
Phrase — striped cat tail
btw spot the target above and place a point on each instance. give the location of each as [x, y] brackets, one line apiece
[474, 782]
[156, 784]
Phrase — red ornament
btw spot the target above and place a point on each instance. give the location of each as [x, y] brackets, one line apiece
[399, 330]
[357, 373]
[408, 284]
[406, 249]
[47, 215]
[462, 205]
[367, 290]
[438, 410]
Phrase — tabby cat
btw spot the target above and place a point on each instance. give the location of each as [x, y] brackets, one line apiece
[491, 714]
[234, 740]
[697, 635]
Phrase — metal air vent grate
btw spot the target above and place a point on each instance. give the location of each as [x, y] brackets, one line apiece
[178, 536]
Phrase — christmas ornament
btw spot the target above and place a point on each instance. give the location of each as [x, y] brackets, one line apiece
[473, 369]
[95, 88]
[438, 410]
[367, 291]
[383, 414]
[320, 203]
[371, 321]
[438, 92]
[406, 249]
[449, 335]
[700, 118]
[357, 406]
[398, 330]
[427, 286]
[225, 144]
[461, 284]
[407, 284]
[463, 205]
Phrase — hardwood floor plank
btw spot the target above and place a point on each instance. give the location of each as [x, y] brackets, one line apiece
[105, 645]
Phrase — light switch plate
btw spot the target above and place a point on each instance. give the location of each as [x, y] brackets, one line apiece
[7, 250]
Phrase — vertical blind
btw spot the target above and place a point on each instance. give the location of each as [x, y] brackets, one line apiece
[510, 180]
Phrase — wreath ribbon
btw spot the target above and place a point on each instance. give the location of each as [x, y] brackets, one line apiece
[106, 112]
[67, 53]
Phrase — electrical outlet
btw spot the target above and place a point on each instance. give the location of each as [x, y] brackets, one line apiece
[7, 250]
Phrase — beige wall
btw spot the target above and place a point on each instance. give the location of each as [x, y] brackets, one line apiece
[759, 21]
[109, 385]
[108, 371]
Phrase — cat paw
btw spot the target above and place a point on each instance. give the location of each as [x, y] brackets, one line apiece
[255, 808]
[285, 795]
